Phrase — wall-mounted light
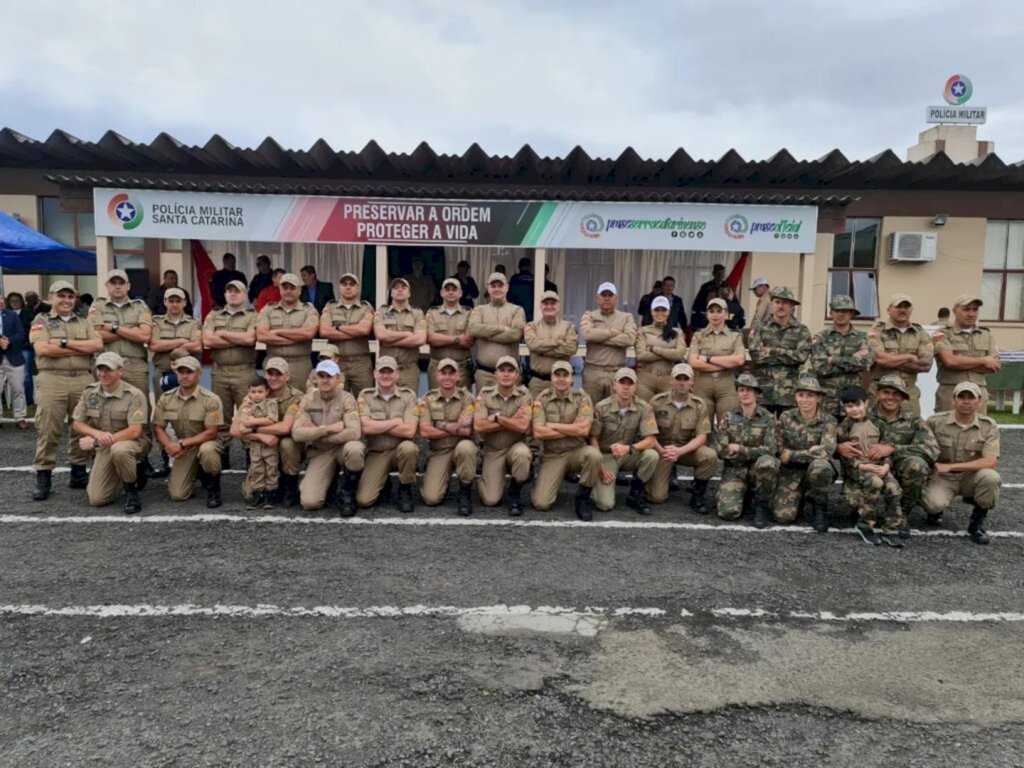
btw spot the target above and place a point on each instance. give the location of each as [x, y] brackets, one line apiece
[940, 219]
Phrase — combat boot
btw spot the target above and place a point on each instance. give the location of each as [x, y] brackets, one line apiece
[225, 458]
[512, 498]
[635, 500]
[289, 490]
[974, 527]
[465, 499]
[347, 494]
[405, 498]
[132, 503]
[698, 497]
[213, 491]
[584, 511]
[165, 466]
[44, 479]
[819, 515]
[257, 500]
[142, 474]
[906, 508]
[760, 507]
[79, 476]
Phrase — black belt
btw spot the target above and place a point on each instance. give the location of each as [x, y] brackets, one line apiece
[541, 376]
[482, 367]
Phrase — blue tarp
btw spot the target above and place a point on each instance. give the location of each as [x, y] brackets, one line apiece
[22, 249]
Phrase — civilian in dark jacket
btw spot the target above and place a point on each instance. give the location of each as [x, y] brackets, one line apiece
[12, 361]
[156, 296]
[736, 318]
[263, 277]
[314, 291]
[221, 278]
[708, 290]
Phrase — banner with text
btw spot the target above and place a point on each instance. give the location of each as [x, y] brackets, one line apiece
[553, 224]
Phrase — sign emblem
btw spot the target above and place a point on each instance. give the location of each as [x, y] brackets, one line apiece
[958, 90]
[123, 212]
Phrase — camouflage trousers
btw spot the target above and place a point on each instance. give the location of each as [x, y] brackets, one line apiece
[912, 473]
[813, 479]
[863, 490]
[737, 477]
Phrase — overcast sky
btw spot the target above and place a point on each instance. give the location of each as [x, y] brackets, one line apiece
[707, 76]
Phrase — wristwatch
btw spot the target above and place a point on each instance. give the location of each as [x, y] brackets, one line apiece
[114, 326]
[64, 343]
[632, 450]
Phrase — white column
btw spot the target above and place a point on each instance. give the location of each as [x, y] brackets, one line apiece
[104, 258]
[381, 271]
[540, 260]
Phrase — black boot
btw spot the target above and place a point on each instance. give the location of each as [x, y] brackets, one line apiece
[819, 515]
[906, 508]
[142, 474]
[132, 504]
[79, 476]
[760, 507]
[584, 511]
[289, 490]
[268, 499]
[257, 500]
[347, 494]
[465, 499]
[405, 498]
[213, 491]
[225, 458]
[698, 497]
[44, 479]
[673, 482]
[635, 500]
[974, 527]
[165, 466]
[512, 498]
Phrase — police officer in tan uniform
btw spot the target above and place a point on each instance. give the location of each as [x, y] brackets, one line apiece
[288, 328]
[196, 416]
[174, 332]
[968, 456]
[608, 333]
[501, 417]
[561, 420]
[230, 335]
[348, 323]
[64, 344]
[446, 420]
[549, 340]
[327, 423]
[684, 429]
[401, 330]
[498, 328]
[901, 348]
[447, 334]
[388, 416]
[716, 353]
[109, 418]
[658, 347]
[964, 351]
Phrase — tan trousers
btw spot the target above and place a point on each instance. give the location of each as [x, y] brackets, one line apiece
[358, 374]
[231, 384]
[536, 386]
[57, 394]
[291, 456]
[463, 373]
[264, 467]
[379, 464]
[586, 460]
[182, 482]
[983, 485]
[718, 393]
[492, 474]
[323, 467]
[461, 458]
[409, 376]
[703, 460]
[597, 382]
[944, 398]
[650, 383]
[111, 468]
[483, 379]
[136, 373]
[643, 464]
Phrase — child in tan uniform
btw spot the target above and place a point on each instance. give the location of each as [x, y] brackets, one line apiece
[259, 410]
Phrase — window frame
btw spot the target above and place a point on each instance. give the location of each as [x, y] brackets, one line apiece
[1004, 274]
[850, 228]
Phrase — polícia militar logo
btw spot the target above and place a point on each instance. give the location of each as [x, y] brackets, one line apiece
[958, 90]
[736, 226]
[591, 226]
[124, 212]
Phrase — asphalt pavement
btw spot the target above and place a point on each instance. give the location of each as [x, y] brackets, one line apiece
[184, 636]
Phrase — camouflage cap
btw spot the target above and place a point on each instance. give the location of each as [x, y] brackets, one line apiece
[329, 350]
[497, 277]
[115, 274]
[808, 383]
[549, 296]
[682, 369]
[967, 386]
[967, 298]
[748, 380]
[278, 364]
[447, 363]
[174, 293]
[718, 303]
[625, 373]
[844, 303]
[507, 360]
[188, 362]
[110, 360]
[290, 278]
[782, 292]
[62, 285]
[562, 365]
[386, 362]
[892, 381]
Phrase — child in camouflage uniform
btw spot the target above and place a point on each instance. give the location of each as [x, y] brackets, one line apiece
[259, 410]
[867, 479]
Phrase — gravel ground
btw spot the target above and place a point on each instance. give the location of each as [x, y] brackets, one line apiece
[678, 684]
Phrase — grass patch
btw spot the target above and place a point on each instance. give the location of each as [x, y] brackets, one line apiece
[1005, 417]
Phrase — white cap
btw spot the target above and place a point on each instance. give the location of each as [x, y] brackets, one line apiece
[661, 303]
[607, 287]
[758, 283]
[329, 367]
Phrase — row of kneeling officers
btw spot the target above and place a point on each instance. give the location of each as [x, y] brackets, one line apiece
[889, 459]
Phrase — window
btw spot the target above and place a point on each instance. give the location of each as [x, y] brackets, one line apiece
[854, 267]
[1002, 281]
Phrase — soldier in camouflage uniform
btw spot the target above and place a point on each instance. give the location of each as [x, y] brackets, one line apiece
[807, 440]
[839, 355]
[778, 348]
[901, 348]
[745, 441]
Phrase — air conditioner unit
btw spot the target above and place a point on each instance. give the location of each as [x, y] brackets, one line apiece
[913, 247]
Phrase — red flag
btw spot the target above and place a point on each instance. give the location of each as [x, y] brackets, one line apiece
[204, 269]
[737, 271]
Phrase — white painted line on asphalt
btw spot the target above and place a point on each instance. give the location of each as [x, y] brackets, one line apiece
[899, 616]
[458, 522]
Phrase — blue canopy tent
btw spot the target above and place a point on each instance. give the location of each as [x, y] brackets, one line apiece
[22, 249]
